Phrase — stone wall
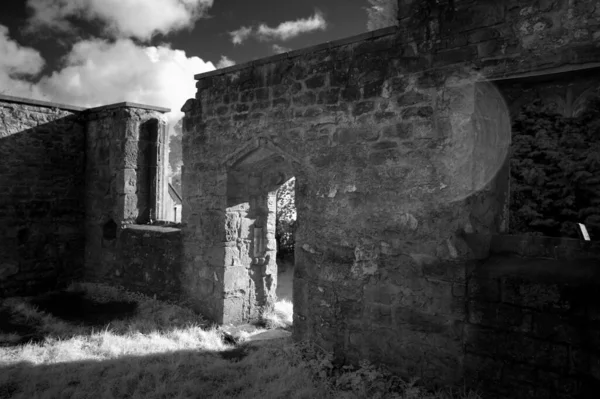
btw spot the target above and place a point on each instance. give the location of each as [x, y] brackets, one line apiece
[533, 319]
[565, 93]
[124, 146]
[73, 181]
[398, 142]
[502, 38]
[148, 261]
[41, 200]
[387, 180]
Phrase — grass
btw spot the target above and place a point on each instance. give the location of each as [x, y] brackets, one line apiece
[163, 350]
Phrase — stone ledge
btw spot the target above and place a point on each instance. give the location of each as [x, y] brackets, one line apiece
[39, 103]
[296, 53]
[548, 73]
[153, 229]
[127, 105]
[50, 104]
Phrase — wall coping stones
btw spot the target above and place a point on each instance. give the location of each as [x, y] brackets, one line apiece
[548, 72]
[39, 103]
[50, 104]
[128, 105]
[306, 50]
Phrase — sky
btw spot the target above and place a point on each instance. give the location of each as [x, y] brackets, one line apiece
[96, 52]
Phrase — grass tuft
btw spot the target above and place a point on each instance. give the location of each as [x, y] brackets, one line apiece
[165, 350]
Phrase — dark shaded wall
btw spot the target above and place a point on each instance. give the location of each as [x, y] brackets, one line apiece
[42, 160]
[149, 261]
[533, 327]
[565, 93]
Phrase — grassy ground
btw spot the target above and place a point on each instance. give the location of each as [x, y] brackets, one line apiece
[115, 344]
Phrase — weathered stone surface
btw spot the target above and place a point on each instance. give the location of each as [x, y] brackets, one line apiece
[125, 176]
[391, 188]
[533, 316]
[41, 201]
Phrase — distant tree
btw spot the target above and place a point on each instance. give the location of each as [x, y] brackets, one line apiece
[175, 155]
[555, 171]
[286, 219]
[382, 13]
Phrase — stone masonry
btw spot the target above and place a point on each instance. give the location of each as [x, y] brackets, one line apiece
[398, 141]
[75, 181]
[41, 197]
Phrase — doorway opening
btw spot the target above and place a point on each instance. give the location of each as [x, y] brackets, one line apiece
[260, 226]
[285, 228]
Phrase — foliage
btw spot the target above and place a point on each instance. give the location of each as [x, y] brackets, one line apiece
[382, 13]
[286, 219]
[555, 171]
[366, 380]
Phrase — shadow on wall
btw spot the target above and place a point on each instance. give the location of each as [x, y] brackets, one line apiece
[533, 323]
[42, 198]
[146, 171]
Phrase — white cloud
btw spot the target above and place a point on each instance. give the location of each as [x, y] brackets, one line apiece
[225, 62]
[284, 31]
[240, 35]
[16, 64]
[99, 72]
[289, 29]
[122, 18]
[277, 49]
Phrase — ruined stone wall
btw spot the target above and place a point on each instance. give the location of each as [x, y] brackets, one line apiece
[565, 93]
[398, 143]
[41, 196]
[123, 157]
[503, 38]
[148, 261]
[384, 189]
[533, 319]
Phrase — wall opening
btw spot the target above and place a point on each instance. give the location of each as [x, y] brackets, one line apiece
[553, 159]
[148, 171]
[285, 227]
[253, 184]
[109, 230]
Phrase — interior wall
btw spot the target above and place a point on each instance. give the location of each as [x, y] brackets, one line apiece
[41, 201]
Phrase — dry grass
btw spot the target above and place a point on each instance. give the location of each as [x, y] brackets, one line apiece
[281, 316]
[166, 351]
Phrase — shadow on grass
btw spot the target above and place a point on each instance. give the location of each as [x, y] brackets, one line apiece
[177, 374]
[78, 308]
[72, 307]
[15, 330]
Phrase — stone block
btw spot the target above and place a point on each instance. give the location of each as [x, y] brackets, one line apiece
[531, 294]
[315, 82]
[235, 280]
[363, 107]
[500, 316]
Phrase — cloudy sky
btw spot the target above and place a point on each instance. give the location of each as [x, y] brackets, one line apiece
[94, 52]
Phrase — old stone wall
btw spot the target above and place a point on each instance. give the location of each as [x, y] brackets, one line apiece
[533, 319]
[73, 181]
[41, 196]
[124, 147]
[148, 260]
[398, 141]
[502, 38]
[387, 179]
[565, 93]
